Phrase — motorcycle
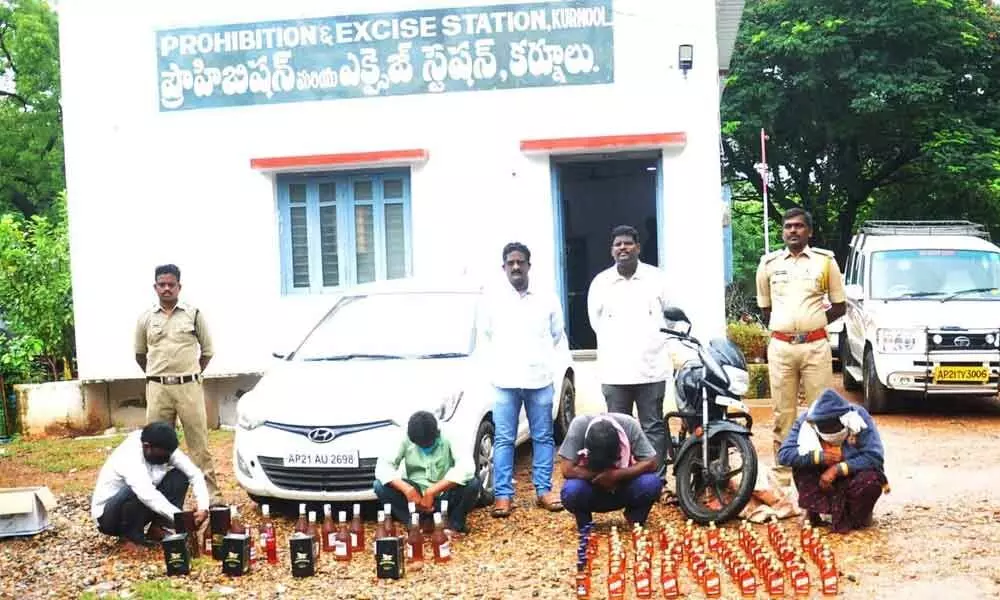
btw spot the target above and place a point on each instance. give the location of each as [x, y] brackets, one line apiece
[715, 427]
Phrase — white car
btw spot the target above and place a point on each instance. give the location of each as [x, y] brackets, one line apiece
[923, 312]
[313, 427]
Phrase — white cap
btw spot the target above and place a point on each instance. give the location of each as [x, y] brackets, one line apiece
[265, 509]
[381, 516]
[387, 509]
[357, 509]
[415, 519]
[342, 515]
[444, 506]
[312, 516]
[327, 510]
[232, 511]
[412, 506]
[302, 508]
[437, 518]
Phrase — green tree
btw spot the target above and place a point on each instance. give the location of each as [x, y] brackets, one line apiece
[894, 101]
[35, 291]
[31, 138]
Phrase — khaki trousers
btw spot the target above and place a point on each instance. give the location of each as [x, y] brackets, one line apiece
[810, 364]
[187, 401]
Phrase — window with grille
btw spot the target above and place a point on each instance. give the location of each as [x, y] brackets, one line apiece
[343, 229]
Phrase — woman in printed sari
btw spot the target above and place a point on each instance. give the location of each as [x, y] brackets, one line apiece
[837, 463]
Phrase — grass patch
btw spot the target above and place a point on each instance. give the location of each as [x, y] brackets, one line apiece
[60, 455]
[152, 590]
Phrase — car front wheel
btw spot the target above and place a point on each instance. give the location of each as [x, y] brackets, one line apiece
[567, 410]
[483, 459]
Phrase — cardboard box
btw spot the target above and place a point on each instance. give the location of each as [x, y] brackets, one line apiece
[301, 549]
[236, 554]
[25, 511]
[389, 558]
[176, 554]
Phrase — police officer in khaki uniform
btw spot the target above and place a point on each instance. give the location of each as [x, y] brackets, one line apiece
[792, 286]
[173, 347]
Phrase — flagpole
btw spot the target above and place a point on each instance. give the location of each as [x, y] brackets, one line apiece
[763, 178]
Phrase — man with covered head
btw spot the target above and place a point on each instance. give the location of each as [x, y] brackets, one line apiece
[608, 464]
[144, 482]
[426, 468]
[837, 461]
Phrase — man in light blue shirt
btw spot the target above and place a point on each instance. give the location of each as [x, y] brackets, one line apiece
[522, 328]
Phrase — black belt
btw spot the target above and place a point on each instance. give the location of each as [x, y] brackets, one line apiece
[174, 379]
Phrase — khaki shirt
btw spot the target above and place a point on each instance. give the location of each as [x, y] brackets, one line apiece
[171, 343]
[795, 287]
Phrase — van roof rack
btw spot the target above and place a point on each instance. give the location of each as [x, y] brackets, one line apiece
[924, 228]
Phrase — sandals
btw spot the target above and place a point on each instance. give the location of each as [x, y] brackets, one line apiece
[502, 508]
[550, 502]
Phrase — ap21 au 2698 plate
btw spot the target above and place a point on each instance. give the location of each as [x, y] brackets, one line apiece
[323, 460]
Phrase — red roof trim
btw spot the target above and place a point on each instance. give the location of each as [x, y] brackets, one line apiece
[606, 142]
[339, 160]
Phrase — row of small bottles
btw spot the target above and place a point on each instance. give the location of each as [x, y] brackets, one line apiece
[704, 550]
[346, 540]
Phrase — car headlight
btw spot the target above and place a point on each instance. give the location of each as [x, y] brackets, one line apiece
[901, 340]
[248, 415]
[446, 410]
[739, 380]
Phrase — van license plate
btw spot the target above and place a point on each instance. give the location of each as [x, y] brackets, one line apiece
[944, 374]
[324, 460]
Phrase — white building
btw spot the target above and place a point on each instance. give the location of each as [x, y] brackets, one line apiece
[277, 151]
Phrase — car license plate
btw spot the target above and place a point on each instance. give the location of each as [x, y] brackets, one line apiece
[324, 460]
[944, 374]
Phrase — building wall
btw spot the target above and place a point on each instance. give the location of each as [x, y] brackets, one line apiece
[148, 187]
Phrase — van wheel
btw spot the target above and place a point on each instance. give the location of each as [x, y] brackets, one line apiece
[844, 350]
[567, 410]
[483, 459]
[876, 396]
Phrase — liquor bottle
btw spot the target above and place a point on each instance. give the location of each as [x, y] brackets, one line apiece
[253, 539]
[806, 537]
[267, 535]
[643, 579]
[444, 513]
[439, 541]
[327, 533]
[713, 582]
[746, 581]
[616, 583]
[312, 530]
[828, 578]
[775, 579]
[713, 537]
[357, 530]
[668, 580]
[380, 531]
[390, 526]
[302, 525]
[415, 540]
[582, 579]
[235, 522]
[800, 580]
[342, 539]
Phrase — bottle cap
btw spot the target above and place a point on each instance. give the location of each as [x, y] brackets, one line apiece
[387, 509]
[412, 506]
[437, 518]
[232, 512]
[265, 509]
[312, 516]
[444, 506]
[342, 515]
[381, 516]
[302, 509]
[326, 509]
[357, 510]
[415, 519]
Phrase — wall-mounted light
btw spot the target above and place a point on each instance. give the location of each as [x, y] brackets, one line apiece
[685, 58]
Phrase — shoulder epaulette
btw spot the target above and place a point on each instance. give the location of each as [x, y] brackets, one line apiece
[770, 256]
[824, 252]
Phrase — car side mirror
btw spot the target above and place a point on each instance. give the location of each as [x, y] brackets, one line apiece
[279, 355]
[854, 292]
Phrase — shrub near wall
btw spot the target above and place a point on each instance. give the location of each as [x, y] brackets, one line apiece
[751, 338]
[760, 386]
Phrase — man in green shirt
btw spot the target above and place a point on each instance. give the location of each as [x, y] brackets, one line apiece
[431, 471]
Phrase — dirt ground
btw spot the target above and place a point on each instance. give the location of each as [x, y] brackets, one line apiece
[936, 535]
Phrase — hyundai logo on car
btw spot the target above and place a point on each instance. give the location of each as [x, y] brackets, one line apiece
[962, 342]
[322, 435]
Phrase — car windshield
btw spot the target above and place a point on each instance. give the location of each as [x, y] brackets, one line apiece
[935, 274]
[389, 326]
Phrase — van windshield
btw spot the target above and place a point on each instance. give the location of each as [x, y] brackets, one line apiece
[935, 274]
[394, 326]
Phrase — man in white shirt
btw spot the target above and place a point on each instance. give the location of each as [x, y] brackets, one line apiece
[522, 327]
[625, 304]
[144, 482]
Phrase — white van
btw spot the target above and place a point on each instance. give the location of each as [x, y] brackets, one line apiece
[923, 311]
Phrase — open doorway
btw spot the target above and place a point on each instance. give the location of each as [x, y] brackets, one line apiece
[596, 193]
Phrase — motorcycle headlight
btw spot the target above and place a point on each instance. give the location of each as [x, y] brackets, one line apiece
[901, 340]
[446, 410]
[739, 380]
[248, 415]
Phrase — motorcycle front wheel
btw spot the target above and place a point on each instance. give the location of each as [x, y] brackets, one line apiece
[720, 492]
